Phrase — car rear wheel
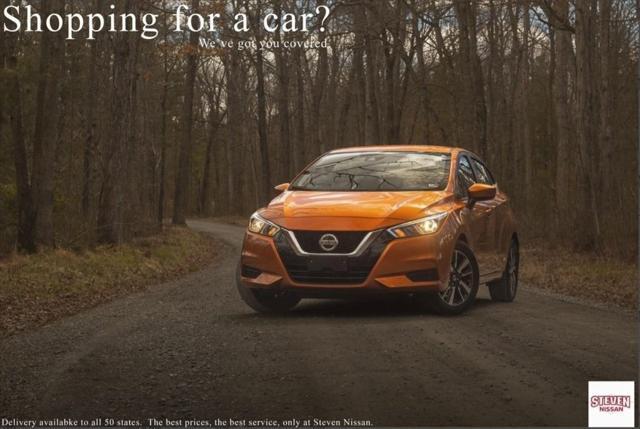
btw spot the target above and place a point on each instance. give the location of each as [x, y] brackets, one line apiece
[462, 288]
[505, 289]
[266, 301]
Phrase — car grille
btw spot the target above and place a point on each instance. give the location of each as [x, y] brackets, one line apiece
[328, 269]
[347, 241]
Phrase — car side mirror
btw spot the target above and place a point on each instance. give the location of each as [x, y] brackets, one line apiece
[481, 192]
[282, 187]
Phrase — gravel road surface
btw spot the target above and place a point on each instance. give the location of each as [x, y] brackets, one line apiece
[190, 349]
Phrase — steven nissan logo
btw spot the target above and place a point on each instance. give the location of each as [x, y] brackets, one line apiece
[611, 403]
[328, 242]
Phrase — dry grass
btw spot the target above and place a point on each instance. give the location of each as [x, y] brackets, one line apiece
[591, 277]
[36, 289]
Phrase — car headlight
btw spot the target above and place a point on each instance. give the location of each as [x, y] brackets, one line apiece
[424, 226]
[262, 226]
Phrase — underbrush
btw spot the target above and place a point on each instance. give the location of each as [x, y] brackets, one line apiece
[607, 280]
[35, 289]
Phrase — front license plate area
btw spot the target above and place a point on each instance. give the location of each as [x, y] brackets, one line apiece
[328, 264]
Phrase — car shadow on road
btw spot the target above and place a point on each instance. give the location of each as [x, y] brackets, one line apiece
[392, 307]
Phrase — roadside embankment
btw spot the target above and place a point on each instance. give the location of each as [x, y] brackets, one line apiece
[36, 289]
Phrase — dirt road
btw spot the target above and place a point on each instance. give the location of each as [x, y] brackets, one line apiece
[192, 349]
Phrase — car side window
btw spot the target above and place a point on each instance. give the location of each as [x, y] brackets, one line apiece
[484, 175]
[465, 176]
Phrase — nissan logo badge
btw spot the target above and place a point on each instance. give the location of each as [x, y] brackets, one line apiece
[328, 242]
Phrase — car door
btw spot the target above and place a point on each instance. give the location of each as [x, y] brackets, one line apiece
[490, 209]
[476, 217]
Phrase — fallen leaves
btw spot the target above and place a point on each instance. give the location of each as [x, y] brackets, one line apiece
[39, 288]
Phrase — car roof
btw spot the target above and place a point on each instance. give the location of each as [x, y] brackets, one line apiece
[400, 148]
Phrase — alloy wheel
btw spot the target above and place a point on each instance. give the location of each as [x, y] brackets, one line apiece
[460, 280]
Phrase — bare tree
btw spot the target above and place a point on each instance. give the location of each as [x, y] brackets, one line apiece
[46, 132]
[26, 239]
[184, 165]
[113, 197]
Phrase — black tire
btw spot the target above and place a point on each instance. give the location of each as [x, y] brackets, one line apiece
[505, 289]
[463, 284]
[266, 301]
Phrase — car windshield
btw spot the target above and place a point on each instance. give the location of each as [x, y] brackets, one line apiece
[376, 171]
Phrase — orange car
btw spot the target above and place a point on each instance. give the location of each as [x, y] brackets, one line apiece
[422, 220]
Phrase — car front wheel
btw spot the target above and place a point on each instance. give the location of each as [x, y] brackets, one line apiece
[462, 287]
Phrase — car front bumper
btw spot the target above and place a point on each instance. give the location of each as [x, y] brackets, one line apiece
[411, 264]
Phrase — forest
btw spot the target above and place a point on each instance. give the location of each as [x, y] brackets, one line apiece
[104, 140]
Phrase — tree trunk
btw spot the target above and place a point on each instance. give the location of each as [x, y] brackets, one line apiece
[163, 125]
[607, 176]
[184, 163]
[26, 214]
[562, 48]
[300, 156]
[90, 131]
[113, 194]
[480, 107]
[320, 83]
[585, 131]
[521, 176]
[163, 147]
[362, 119]
[343, 117]
[232, 139]
[372, 87]
[45, 131]
[282, 70]
[393, 95]
[206, 208]
[472, 74]
[263, 144]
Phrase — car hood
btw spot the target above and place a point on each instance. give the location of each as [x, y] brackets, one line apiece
[349, 210]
